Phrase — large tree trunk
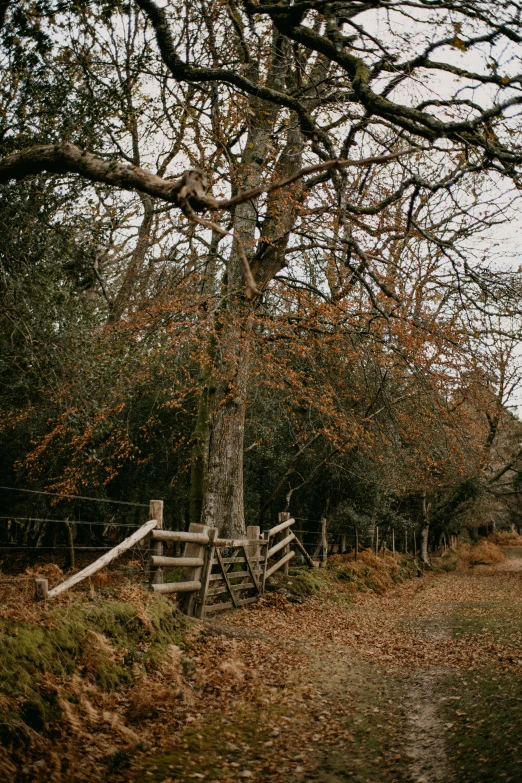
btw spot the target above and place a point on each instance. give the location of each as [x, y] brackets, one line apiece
[224, 491]
[203, 427]
[223, 506]
[425, 529]
[200, 448]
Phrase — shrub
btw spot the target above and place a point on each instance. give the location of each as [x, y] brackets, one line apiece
[506, 538]
[483, 553]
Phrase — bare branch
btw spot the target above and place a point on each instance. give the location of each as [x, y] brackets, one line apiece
[330, 165]
[251, 289]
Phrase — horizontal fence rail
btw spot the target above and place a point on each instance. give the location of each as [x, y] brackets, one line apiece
[104, 560]
[177, 587]
[175, 535]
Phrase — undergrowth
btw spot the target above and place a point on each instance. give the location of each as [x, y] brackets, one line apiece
[344, 575]
[506, 538]
[483, 553]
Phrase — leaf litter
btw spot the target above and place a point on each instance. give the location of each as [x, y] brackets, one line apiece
[323, 690]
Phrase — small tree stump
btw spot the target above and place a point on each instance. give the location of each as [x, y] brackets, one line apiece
[41, 589]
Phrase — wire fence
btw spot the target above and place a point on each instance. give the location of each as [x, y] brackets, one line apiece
[81, 538]
[16, 518]
[41, 539]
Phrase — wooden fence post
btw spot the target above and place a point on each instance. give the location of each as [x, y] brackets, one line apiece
[377, 540]
[324, 540]
[282, 517]
[265, 563]
[41, 589]
[156, 547]
[356, 544]
[193, 573]
[393, 541]
[254, 533]
[199, 610]
[70, 544]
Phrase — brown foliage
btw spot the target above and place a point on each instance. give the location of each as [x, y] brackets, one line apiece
[483, 553]
[506, 538]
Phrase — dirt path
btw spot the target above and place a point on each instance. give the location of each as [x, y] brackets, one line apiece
[425, 736]
[422, 684]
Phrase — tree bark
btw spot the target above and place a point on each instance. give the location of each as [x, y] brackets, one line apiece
[202, 430]
[200, 448]
[425, 529]
[131, 276]
[223, 507]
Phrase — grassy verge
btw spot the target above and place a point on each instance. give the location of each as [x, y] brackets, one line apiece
[352, 729]
[369, 741]
[100, 641]
[215, 749]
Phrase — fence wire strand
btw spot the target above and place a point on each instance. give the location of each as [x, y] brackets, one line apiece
[70, 521]
[75, 497]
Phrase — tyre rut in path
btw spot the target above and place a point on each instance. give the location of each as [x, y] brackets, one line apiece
[423, 731]
[408, 636]
[426, 744]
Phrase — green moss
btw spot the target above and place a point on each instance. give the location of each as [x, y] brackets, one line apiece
[300, 582]
[99, 640]
[377, 579]
[446, 563]
[303, 582]
[306, 581]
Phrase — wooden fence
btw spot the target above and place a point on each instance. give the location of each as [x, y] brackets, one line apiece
[215, 573]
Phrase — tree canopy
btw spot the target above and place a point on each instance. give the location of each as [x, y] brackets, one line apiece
[253, 255]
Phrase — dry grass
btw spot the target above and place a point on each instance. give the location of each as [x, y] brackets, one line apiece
[371, 572]
[483, 553]
[506, 538]
[367, 556]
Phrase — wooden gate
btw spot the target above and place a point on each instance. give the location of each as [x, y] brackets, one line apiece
[220, 573]
[233, 573]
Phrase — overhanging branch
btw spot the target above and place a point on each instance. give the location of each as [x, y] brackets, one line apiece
[67, 158]
[189, 189]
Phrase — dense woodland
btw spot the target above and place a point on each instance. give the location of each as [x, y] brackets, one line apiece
[177, 322]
